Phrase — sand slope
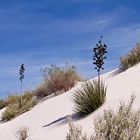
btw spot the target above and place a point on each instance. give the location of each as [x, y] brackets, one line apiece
[48, 120]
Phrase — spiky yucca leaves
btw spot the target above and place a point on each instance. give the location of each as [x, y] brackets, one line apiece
[17, 105]
[131, 58]
[89, 97]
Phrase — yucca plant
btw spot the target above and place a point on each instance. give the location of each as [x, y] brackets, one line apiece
[89, 97]
[21, 75]
[99, 55]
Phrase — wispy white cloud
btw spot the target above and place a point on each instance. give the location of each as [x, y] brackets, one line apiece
[124, 37]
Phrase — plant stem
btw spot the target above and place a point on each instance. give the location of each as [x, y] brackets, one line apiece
[21, 87]
[99, 79]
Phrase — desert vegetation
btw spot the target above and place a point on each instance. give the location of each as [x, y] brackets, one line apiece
[18, 104]
[75, 133]
[22, 133]
[99, 55]
[57, 80]
[21, 75]
[89, 97]
[2, 103]
[123, 124]
[131, 59]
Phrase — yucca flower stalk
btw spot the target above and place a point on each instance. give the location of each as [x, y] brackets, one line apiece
[99, 57]
[21, 77]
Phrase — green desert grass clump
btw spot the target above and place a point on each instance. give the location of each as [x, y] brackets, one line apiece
[57, 80]
[123, 124]
[131, 59]
[18, 104]
[89, 97]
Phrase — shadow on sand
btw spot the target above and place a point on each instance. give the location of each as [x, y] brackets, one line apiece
[64, 120]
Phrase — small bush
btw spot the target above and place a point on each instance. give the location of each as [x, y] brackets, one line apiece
[57, 80]
[22, 133]
[75, 133]
[8, 114]
[89, 97]
[130, 59]
[11, 99]
[17, 105]
[2, 104]
[123, 124]
[41, 91]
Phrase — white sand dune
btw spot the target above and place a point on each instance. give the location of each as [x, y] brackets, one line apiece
[48, 120]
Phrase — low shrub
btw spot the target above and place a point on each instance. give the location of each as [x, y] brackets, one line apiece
[124, 124]
[131, 59]
[17, 105]
[2, 104]
[75, 133]
[41, 91]
[12, 98]
[57, 80]
[89, 97]
[9, 113]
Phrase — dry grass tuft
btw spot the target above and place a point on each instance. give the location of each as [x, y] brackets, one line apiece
[57, 80]
[2, 104]
[22, 133]
[17, 105]
[130, 59]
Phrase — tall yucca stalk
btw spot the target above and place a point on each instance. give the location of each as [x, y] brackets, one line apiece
[99, 57]
[21, 77]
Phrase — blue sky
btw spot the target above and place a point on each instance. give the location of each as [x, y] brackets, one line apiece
[43, 32]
